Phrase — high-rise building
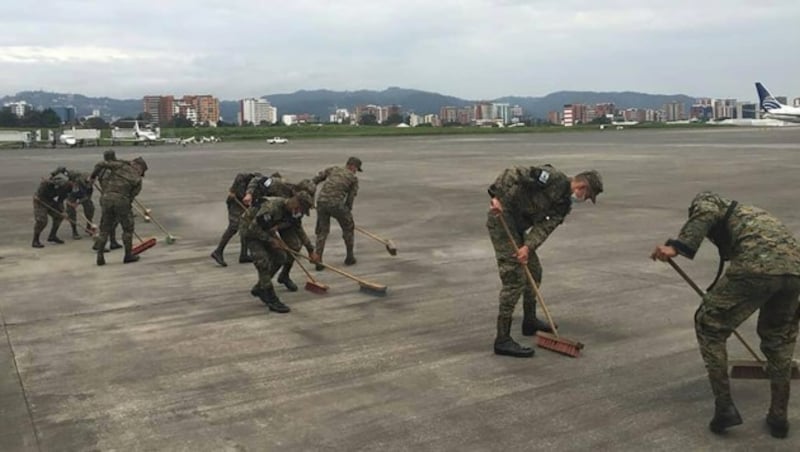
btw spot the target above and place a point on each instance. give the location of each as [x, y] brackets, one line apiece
[673, 111]
[554, 117]
[257, 112]
[724, 108]
[19, 108]
[159, 108]
[207, 107]
[66, 114]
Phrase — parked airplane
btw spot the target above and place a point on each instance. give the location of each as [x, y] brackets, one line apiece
[775, 109]
[135, 135]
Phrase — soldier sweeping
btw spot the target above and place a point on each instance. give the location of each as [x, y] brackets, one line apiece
[261, 230]
[764, 275]
[102, 177]
[122, 186]
[536, 200]
[49, 200]
[335, 200]
[235, 201]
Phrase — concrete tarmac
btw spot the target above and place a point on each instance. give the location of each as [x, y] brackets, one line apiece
[172, 353]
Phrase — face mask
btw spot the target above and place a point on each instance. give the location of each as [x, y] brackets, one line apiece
[575, 199]
[297, 215]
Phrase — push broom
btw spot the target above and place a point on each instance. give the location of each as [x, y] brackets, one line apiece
[364, 285]
[548, 341]
[755, 370]
[312, 285]
[386, 242]
[137, 249]
[149, 216]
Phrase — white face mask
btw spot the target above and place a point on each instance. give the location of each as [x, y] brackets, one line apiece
[575, 199]
[297, 215]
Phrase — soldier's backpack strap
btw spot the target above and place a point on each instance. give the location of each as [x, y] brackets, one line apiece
[723, 222]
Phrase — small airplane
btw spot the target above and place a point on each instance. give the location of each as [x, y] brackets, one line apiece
[135, 135]
[775, 109]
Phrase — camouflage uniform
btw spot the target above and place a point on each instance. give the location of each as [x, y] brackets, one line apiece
[121, 187]
[260, 232]
[294, 235]
[102, 175]
[335, 200]
[235, 202]
[81, 194]
[535, 201]
[49, 200]
[764, 275]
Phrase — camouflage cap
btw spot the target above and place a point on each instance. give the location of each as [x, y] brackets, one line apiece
[355, 161]
[139, 161]
[109, 155]
[306, 185]
[305, 200]
[59, 180]
[592, 177]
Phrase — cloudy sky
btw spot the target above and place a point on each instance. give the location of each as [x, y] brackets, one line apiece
[473, 49]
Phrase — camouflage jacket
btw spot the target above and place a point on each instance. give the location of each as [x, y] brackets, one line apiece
[340, 187]
[52, 191]
[754, 241]
[241, 183]
[263, 221]
[269, 186]
[533, 197]
[122, 182]
[82, 187]
[102, 174]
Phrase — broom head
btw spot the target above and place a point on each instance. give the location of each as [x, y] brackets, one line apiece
[316, 287]
[755, 370]
[372, 288]
[558, 344]
[391, 248]
[143, 246]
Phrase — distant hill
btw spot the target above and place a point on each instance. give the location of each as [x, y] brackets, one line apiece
[322, 103]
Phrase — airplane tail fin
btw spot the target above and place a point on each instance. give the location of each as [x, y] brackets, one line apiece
[766, 100]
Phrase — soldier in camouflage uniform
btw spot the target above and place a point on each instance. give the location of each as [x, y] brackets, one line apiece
[260, 229]
[294, 235]
[81, 195]
[123, 184]
[235, 203]
[764, 275]
[49, 200]
[533, 201]
[102, 178]
[335, 200]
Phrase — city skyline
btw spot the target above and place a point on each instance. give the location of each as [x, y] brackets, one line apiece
[468, 49]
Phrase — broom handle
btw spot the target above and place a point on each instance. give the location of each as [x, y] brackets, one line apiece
[295, 253]
[702, 294]
[531, 281]
[50, 208]
[141, 206]
[336, 270]
[371, 235]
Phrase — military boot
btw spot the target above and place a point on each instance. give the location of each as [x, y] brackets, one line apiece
[75, 235]
[778, 409]
[217, 256]
[129, 256]
[54, 238]
[36, 243]
[350, 259]
[101, 259]
[114, 243]
[531, 324]
[284, 278]
[725, 415]
[270, 298]
[504, 345]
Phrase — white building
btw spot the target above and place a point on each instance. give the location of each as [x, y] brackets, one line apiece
[341, 116]
[186, 110]
[289, 119]
[502, 112]
[19, 108]
[257, 111]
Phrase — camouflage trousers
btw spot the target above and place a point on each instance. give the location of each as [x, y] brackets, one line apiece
[267, 260]
[234, 220]
[88, 212]
[515, 283]
[115, 211]
[40, 214]
[291, 237]
[345, 219]
[731, 302]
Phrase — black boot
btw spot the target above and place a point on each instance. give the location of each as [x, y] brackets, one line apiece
[531, 324]
[54, 238]
[255, 291]
[245, 259]
[36, 243]
[75, 235]
[217, 256]
[129, 256]
[504, 345]
[777, 416]
[350, 259]
[114, 245]
[270, 298]
[101, 259]
[725, 415]
[284, 278]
